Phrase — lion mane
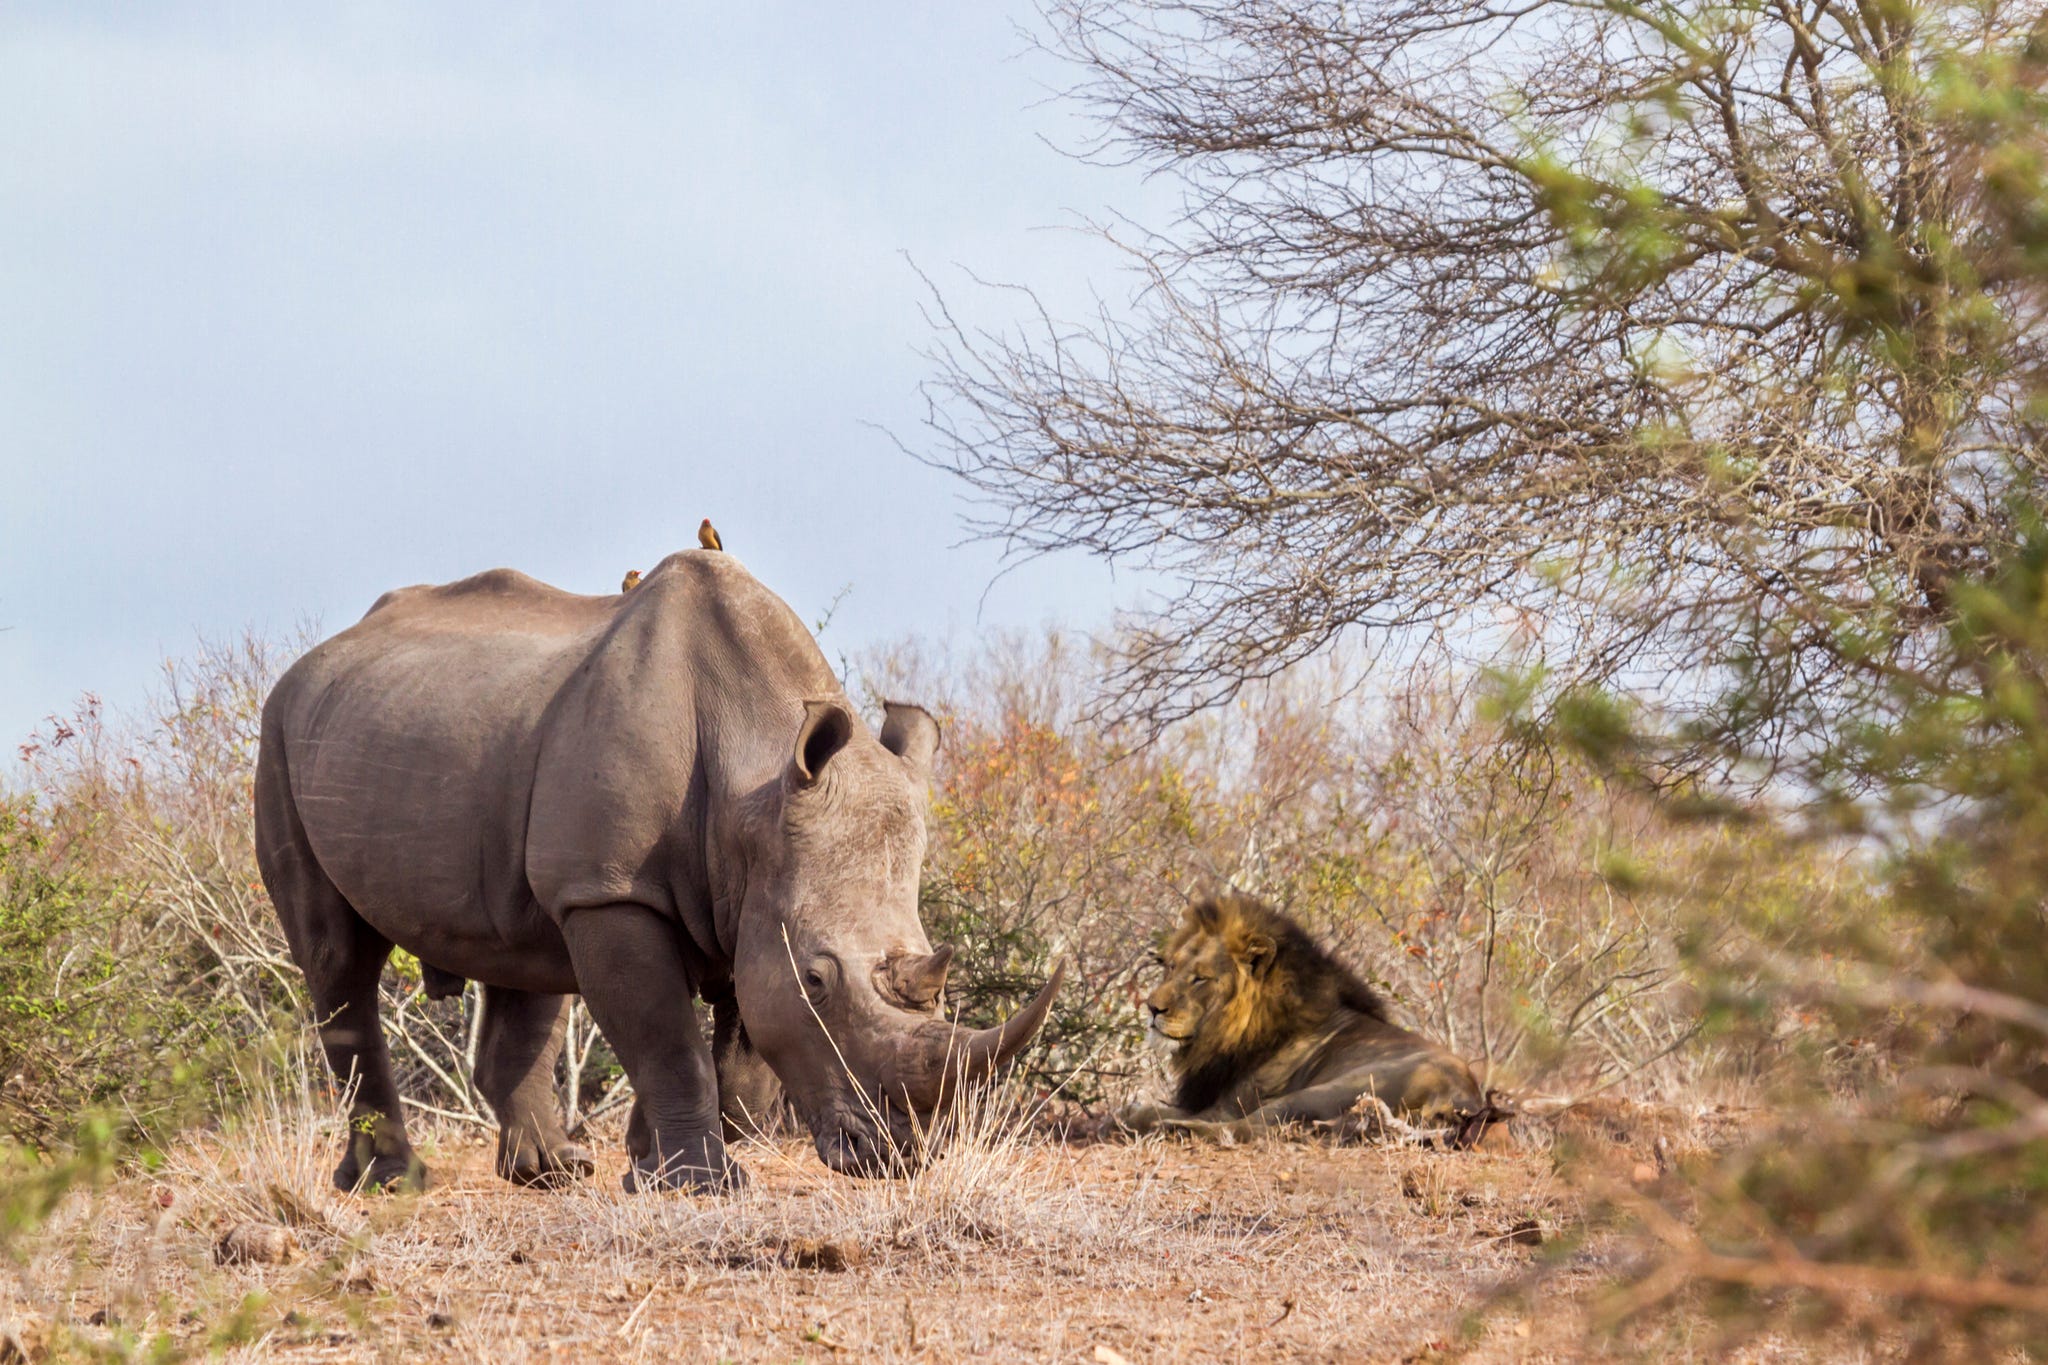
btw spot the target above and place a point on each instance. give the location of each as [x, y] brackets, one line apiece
[1301, 991]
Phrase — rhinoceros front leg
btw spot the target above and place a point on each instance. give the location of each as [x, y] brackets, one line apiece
[515, 1069]
[631, 969]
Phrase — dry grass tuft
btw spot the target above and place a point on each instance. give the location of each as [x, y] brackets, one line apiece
[990, 1186]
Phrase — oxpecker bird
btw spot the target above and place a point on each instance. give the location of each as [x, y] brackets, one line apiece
[630, 581]
[707, 536]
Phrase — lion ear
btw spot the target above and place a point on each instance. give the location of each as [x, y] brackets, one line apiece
[1257, 954]
[1206, 915]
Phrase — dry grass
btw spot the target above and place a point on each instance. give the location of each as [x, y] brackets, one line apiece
[1010, 1246]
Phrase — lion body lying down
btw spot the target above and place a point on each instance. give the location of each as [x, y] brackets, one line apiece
[1268, 1029]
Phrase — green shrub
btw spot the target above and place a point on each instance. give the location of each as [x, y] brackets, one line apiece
[87, 1025]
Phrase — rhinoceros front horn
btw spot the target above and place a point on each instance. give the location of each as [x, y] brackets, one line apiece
[986, 1049]
[931, 1059]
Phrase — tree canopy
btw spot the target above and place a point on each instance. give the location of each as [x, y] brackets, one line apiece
[1698, 339]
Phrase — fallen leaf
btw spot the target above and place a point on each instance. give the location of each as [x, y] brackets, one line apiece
[830, 1254]
[255, 1244]
[1109, 1355]
[294, 1209]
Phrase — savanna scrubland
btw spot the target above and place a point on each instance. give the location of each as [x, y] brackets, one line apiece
[1599, 452]
[1506, 898]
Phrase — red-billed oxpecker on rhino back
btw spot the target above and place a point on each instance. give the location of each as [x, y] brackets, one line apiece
[643, 798]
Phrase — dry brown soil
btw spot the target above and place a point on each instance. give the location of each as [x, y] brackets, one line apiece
[1015, 1249]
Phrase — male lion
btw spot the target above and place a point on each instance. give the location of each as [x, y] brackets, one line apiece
[1270, 1029]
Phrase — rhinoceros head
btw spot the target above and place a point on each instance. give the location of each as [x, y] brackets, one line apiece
[838, 986]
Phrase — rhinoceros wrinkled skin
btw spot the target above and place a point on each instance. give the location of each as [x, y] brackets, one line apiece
[642, 797]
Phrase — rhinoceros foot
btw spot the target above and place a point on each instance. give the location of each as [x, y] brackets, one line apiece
[529, 1163]
[390, 1172]
[728, 1178]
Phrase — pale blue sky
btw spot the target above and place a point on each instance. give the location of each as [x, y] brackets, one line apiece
[301, 303]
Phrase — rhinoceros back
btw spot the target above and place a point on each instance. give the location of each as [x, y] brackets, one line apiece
[471, 761]
[408, 743]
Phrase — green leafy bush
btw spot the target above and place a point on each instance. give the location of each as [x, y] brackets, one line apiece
[95, 1018]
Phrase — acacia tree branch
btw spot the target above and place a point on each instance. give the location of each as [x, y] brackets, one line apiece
[1640, 323]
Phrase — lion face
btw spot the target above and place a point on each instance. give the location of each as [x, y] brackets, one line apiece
[1204, 974]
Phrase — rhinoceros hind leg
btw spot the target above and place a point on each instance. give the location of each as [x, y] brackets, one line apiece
[515, 1070]
[366, 1170]
[342, 978]
[342, 957]
[636, 979]
[750, 1098]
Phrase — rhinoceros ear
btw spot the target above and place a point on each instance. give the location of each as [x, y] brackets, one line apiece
[826, 729]
[910, 733]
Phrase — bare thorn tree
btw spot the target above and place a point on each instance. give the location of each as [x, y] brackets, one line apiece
[1687, 335]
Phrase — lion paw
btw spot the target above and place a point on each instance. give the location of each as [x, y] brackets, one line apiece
[1205, 1130]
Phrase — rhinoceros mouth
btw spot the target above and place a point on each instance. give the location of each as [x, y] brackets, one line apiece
[857, 1150]
[895, 1131]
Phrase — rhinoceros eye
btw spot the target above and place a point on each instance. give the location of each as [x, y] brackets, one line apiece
[820, 975]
